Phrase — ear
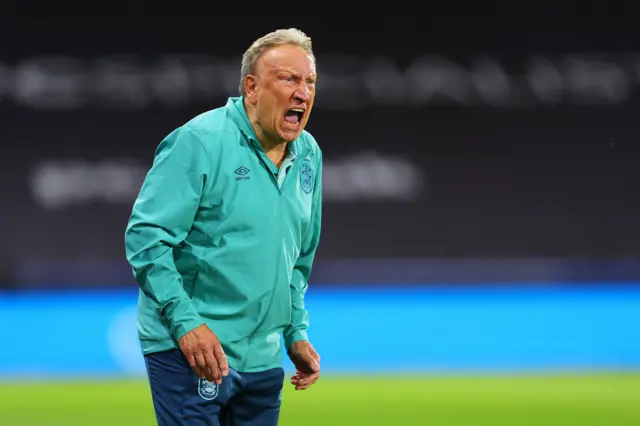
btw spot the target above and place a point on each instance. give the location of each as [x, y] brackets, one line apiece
[251, 88]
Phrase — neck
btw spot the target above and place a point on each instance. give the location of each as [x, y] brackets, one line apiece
[270, 143]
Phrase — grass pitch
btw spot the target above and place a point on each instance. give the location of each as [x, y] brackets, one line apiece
[585, 400]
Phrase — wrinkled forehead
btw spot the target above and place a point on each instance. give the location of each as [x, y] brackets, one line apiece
[288, 58]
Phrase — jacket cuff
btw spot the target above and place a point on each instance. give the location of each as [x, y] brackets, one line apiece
[294, 337]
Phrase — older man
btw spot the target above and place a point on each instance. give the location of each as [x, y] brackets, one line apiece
[221, 240]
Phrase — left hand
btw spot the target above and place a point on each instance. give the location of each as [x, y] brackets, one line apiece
[307, 363]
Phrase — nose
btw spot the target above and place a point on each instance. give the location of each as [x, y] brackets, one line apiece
[303, 94]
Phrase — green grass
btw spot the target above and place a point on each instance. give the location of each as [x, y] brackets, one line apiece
[589, 400]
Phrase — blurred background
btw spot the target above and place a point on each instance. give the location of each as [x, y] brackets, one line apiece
[479, 262]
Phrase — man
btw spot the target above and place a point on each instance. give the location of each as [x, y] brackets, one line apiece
[221, 240]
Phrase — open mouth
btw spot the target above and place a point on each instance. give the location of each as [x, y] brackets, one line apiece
[293, 117]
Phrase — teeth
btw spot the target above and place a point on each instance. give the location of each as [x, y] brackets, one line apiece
[297, 109]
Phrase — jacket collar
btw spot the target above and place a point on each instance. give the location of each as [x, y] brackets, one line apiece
[238, 114]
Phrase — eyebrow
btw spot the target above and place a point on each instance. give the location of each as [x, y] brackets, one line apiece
[314, 75]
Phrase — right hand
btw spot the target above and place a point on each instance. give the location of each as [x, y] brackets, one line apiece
[204, 352]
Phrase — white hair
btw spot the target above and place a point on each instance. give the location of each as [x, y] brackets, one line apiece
[268, 41]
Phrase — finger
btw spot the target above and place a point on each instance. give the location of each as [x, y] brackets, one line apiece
[308, 380]
[223, 364]
[201, 365]
[195, 368]
[191, 359]
[299, 381]
[305, 385]
[301, 387]
[212, 371]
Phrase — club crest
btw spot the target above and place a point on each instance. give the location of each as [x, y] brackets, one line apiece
[207, 390]
[307, 176]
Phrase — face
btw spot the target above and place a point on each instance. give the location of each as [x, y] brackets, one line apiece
[282, 92]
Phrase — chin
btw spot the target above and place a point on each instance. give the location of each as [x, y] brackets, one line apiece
[290, 135]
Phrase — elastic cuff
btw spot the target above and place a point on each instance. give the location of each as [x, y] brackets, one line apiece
[183, 318]
[185, 327]
[294, 337]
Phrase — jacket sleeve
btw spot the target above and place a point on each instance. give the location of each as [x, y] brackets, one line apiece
[297, 328]
[162, 217]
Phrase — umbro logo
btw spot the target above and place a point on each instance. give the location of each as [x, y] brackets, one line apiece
[242, 173]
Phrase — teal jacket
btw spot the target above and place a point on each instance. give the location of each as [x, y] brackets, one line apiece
[219, 236]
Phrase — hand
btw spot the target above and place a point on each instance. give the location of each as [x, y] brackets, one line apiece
[307, 363]
[202, 349]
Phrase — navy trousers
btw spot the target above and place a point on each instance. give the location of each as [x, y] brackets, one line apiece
[180, 398]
